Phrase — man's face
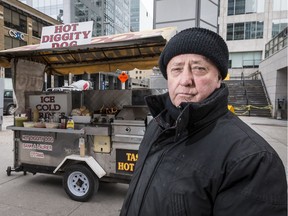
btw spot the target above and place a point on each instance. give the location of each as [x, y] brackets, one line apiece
[191, 78]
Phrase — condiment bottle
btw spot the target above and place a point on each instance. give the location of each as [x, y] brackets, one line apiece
[70, 123]
[35, 115]
[62, 121]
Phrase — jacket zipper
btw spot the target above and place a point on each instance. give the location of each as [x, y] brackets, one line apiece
[153, 174]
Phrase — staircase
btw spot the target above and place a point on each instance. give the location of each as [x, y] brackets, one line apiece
[248, 97]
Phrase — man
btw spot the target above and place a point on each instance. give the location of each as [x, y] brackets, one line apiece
[198, 158]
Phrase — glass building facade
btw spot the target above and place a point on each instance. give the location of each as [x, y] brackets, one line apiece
[135, 15]
[109, 16]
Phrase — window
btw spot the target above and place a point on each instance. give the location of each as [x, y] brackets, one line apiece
[10, 42]
[8, 94]
[229, 31]
[278, 25]
[280, 5]
[259, 31]
[14, 20]
[37, 26]
[237, 7]
[245, 59]
[250, 30]
[230, 64]
[238, 31]
[231, 7]
[23, 23]
[7, 17]
[244, 31]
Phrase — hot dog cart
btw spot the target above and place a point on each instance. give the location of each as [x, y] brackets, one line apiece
[104, 143]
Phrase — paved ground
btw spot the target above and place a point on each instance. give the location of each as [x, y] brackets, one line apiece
[273, 131]
[43, 195]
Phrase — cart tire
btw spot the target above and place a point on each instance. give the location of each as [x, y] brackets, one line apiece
[25, 172]
[80, 182]
[8, 171]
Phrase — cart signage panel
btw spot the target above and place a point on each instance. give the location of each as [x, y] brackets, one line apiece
[47, 105]
[67, 35]
[35, 145]
[126, 160]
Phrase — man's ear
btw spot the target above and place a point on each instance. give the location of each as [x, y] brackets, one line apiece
[219, 80]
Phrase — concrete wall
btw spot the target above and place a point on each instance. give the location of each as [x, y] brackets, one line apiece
[274, 71]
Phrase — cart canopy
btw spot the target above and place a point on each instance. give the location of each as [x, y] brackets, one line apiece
[103, 54]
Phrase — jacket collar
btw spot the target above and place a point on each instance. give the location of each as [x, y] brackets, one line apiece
[192, 114]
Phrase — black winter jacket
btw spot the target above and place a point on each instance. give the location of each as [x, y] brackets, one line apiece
[208, 163]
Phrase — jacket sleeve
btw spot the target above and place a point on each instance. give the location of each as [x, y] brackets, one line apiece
[254, 186]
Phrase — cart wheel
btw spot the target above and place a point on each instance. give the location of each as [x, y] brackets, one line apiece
[80, 182]
[8, 171]
[25, 172]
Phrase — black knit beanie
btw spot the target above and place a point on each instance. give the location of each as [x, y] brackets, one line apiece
[196, 41]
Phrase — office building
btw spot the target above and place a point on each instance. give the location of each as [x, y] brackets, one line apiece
[141, 15]
[247, 25]
[20, 25]
[109, 16]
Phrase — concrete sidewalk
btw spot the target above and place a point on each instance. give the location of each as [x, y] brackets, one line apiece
[273, 131]
[43, 195]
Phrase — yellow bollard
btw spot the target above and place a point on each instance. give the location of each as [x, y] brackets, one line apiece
[231, 108]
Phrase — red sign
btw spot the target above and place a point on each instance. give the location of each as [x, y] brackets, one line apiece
[123, 77]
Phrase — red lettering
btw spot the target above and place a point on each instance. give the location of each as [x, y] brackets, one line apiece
[64, 44]
[73, 43]
[74, 25]
[71, 36]
[58, 29]
[45, 39]
[57, 37]
[86, 33]
[66, 28]
[65, 36]
[77, 34]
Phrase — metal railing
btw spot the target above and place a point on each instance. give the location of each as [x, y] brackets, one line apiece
[245, 90]
[254, 76]
[277, 43]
